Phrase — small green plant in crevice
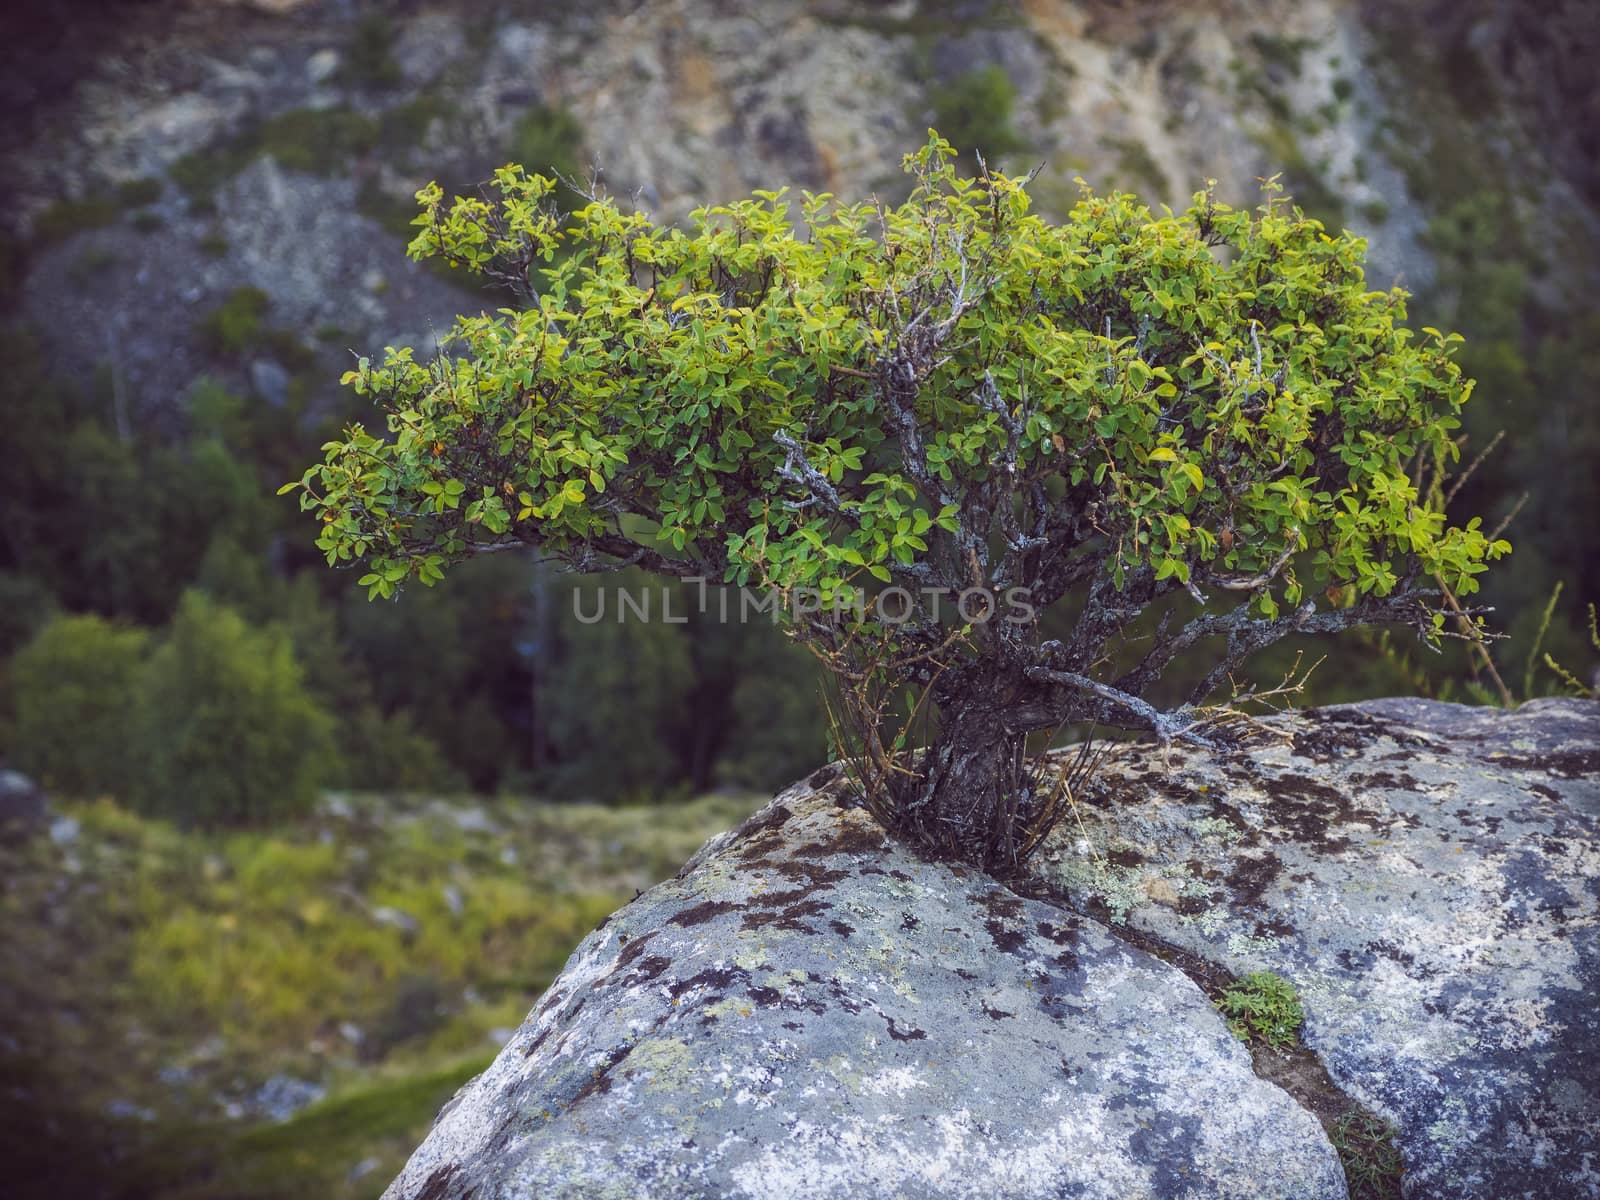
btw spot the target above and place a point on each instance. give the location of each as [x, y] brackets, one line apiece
[1366, 1148]
[1263, 1008]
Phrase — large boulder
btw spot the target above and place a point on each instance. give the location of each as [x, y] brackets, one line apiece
[810, 1011]
[1428, 875]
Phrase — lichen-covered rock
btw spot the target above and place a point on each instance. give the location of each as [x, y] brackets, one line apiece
[807, 1011]
[1428, 875]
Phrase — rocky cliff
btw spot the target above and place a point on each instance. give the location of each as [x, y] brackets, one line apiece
[164, 158]
[809, 1010]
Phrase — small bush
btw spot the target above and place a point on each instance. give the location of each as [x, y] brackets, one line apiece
[229, 732]
[235, 325]
[65, 218]
[1263, 1007]
[547, 136]
[974, 113]
[26, 606]
[368, 60]
[136, 193]
[75, 688]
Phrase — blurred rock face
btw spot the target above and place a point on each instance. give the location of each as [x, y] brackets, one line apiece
[286, 139]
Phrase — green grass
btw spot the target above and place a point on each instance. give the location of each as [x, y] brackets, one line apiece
[374, 1124]
[1262, 1007]
[1372, 1163]
[237, 957]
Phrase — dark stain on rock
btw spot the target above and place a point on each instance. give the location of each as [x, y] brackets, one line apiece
[634, 948]
[823, 776]
[599, 1081]
[791, 918]
[1065, 934]
[699, 914]
[1124, 857]
[1309, 811]
[840, 928]
[1539, 789]
[996, 1014]
[909, 923]
[1006, 939]
[1251, 877]
[716, 979]
[819, 876]
[1001, 903]
[767, 997]
[436, 1186]
[909, 1034]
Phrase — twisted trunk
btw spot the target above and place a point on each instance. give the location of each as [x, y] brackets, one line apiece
[971, 800]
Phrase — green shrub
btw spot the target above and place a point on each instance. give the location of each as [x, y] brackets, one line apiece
[65, 218]
[136, 193]
[235, 325]
[1263, 1007]
[368, 61]
[549, 137]
[973, 111]
[1130, 416]
[75, 691]
[229, 733]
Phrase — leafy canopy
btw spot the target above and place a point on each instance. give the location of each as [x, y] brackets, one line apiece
[949, 391]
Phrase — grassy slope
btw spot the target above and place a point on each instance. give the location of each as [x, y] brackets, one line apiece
[152, 981]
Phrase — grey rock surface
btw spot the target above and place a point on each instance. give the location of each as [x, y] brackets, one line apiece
[1428, 875]
[808, 1011]
[23, 803]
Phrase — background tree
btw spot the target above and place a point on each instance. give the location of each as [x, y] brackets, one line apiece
[1206, 418]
